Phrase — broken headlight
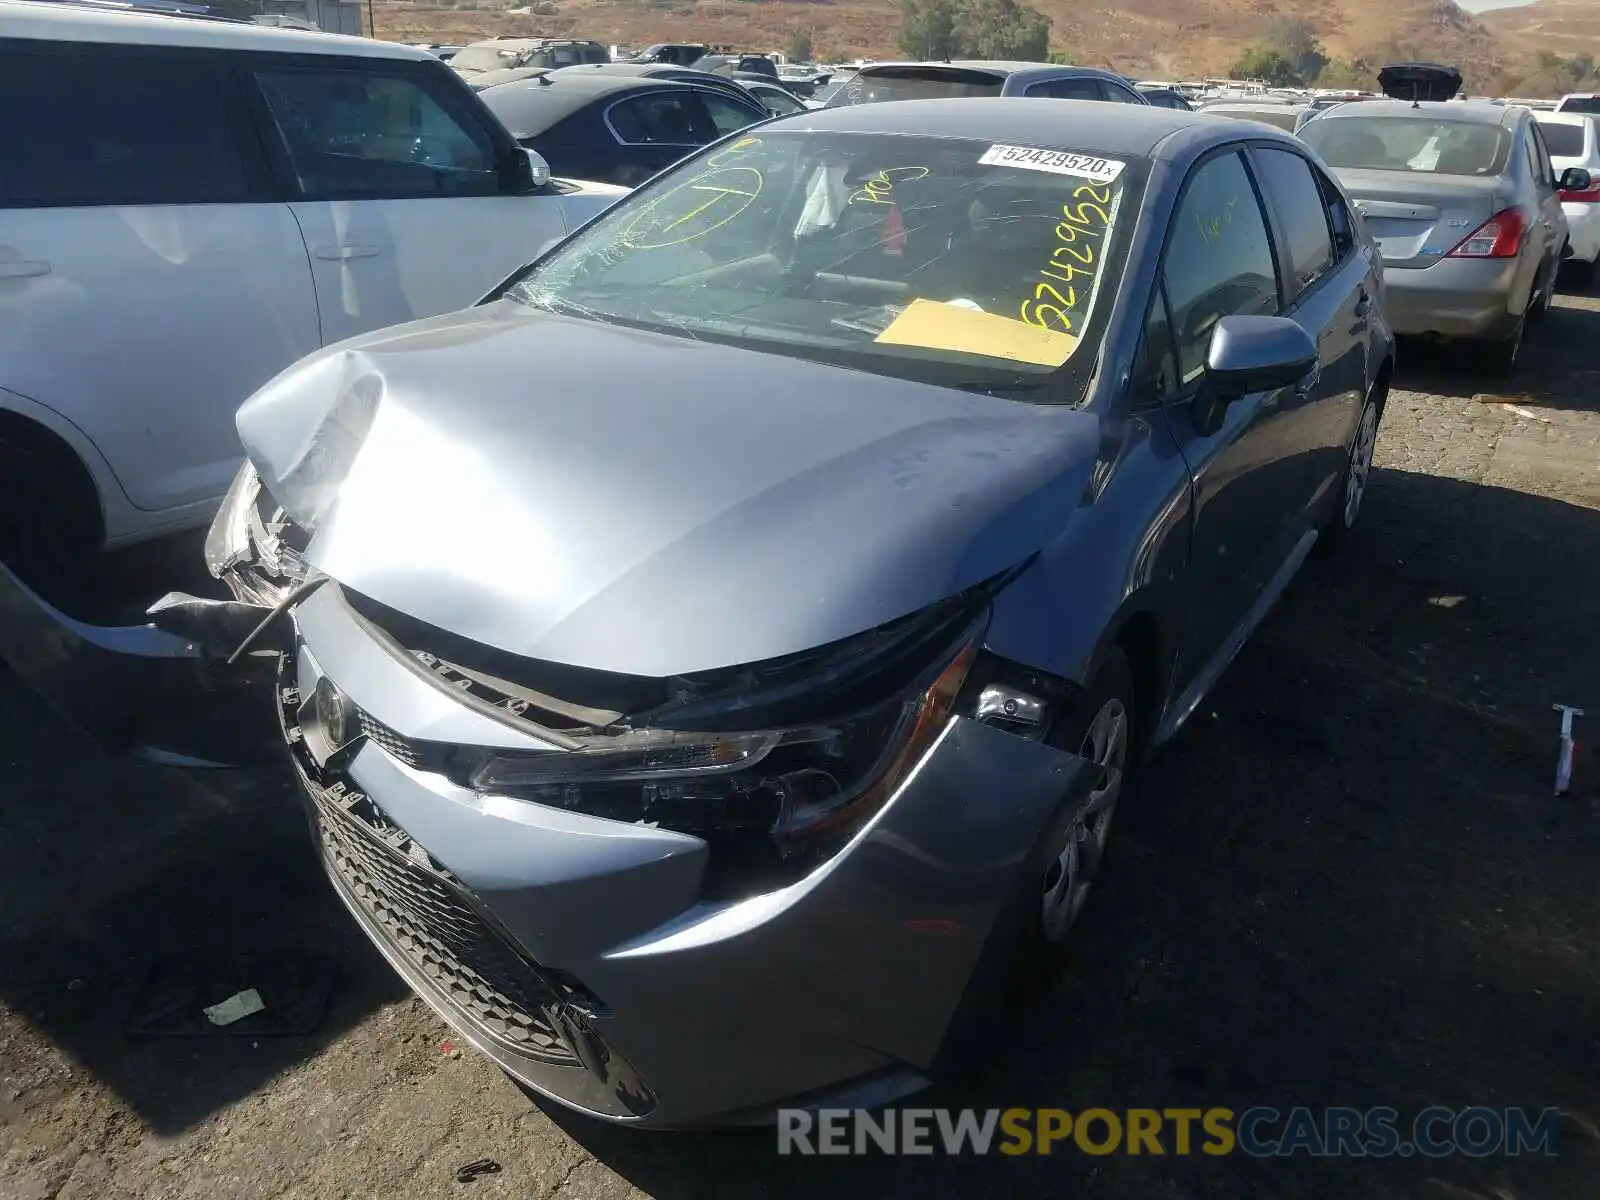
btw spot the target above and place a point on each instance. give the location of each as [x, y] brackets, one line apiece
[228, 540]
[797, 790]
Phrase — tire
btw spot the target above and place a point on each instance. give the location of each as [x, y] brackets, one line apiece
[1024, 950]
[1054, 885]
[1500, 357]
[1336, 531]
[48, 527]
[1580, 273]
[1539, 301]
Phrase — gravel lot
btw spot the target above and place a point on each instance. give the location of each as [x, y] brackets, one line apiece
[1346, 883]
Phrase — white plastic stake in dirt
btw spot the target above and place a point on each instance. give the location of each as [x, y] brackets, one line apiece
[1564, 757]
[235, 1008]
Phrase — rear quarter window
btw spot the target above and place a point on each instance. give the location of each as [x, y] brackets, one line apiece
[916, 83]
[110, 125]
[1565, 141]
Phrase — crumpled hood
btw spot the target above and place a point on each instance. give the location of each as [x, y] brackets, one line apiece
[603, 497]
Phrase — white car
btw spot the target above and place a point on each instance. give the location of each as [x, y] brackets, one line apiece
[1579, 102]
[189, 206]
[1573, 142]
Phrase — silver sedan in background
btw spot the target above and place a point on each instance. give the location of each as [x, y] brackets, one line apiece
[1462, 201]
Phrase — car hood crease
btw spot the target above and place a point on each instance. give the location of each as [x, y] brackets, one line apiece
[589, 494]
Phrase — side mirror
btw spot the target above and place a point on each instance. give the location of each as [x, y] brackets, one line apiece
[538, 168]
[1251, 354]
[1575, 179]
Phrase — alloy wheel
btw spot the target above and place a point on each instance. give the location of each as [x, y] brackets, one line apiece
[1071, 872]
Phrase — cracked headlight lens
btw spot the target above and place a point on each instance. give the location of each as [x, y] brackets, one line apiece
[803, 787]
[228, 540]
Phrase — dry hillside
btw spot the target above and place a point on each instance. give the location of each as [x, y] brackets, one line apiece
[1146, 37]
[1564, 27]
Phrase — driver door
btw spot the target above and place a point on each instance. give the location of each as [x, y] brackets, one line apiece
[399, 186]
[1248, 472]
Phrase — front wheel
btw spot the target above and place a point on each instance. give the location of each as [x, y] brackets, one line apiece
[1099, 728]
[1024, 950]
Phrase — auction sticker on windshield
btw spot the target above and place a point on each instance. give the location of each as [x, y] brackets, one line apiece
[1057, 162]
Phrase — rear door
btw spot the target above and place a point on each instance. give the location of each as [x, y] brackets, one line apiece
[149, 282]
[1329, 297]
[410, 200]
[1548, 198]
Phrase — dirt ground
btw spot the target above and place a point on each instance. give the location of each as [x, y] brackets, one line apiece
[1346, 883]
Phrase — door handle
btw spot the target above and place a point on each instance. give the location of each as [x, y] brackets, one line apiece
[21, 268]
[345, 253]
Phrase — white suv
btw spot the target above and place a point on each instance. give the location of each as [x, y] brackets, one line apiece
[189, 206]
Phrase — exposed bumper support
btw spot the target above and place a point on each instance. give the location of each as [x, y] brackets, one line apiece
[157, 686]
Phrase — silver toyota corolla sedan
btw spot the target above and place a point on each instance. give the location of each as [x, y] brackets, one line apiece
[1464, 204]
[716, 658]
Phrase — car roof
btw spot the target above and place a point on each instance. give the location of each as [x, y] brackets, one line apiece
[1254, 106]
[530, 106]
[1123, 130]
[1471, 112]
[1544, 116]
[48, 20]
[994, 66]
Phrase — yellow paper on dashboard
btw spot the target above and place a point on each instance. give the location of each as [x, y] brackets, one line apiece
[934, 325]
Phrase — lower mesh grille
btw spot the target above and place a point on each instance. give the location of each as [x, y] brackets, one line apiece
[423, 918]
[392, 743]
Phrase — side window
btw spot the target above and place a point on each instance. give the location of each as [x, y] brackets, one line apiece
[1218, 259]
[355, 132]
[1081, 88]
[727, 116]
[657, 119]
[1119, 94]
[1155, 367]
[1297, 200]
[1542, 151]
[1339, 218]
[125, 128]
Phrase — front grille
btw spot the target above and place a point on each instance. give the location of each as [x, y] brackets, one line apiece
[394, 744]
[424, 918]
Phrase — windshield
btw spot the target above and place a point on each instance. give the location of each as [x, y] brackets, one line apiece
[484, 58]
[940, 259]
[1425, 144]
[915, 83]
[1563, 141]
[1580, 104]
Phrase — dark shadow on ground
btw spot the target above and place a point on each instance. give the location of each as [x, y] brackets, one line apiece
[1346, 882]
[1557, 368]
[105, 864]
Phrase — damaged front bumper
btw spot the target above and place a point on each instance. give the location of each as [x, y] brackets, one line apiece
[159, 688]
[584, 954]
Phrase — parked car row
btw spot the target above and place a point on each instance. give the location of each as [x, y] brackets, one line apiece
[1471, 207]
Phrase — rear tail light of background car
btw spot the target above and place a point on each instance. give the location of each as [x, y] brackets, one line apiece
[1590, 195]
[1498, 237]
